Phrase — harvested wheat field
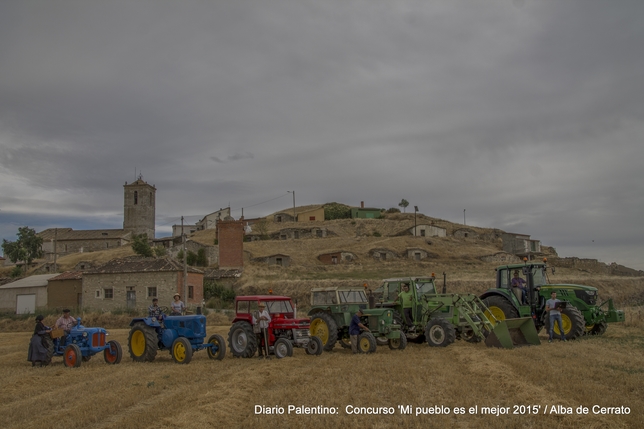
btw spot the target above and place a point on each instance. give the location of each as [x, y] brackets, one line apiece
[526, 383]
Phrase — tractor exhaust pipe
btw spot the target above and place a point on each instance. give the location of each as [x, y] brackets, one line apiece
[444, 282]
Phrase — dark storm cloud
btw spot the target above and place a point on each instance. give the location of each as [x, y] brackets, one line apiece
[528, 114]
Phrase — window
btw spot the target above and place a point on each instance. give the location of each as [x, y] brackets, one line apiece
[278, 261]
[242, 307]
[466, 235]
[334, 259]
[283, 237]
[279, 307]
[278, 219]
[324, 297]
[107, 245]
[98, 294]
[311, 217]
[108, 293]
[191, 292]
[422, 232]
[152, 292]
[136, 197]
[352, 296]
[417, 256]
[383, 255]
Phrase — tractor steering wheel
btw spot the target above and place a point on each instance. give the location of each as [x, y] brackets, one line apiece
[165, 310]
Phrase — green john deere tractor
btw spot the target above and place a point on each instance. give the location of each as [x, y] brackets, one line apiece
[581, 316]
[441, 318]
[332, 309]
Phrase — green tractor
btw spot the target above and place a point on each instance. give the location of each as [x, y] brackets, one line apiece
[581, 316]
[441, 318]
[437, 318]
[332, 309]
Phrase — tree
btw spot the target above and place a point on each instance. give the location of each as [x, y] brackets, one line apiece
[27, 248]
[191, 259]
[262, 228]
[202, 261]
[141, 246]
[403, 203]
[160, 251]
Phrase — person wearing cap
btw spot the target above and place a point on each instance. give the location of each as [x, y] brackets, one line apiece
[261, 319]
[354, 330]
[65, 322]
[39, 344]
[177, 305]
[154, 310]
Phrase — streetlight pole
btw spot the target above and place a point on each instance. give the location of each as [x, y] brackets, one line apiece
[415, 211]
[294, 217]
[464, 217]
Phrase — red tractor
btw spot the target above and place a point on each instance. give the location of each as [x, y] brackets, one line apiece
[284, 330]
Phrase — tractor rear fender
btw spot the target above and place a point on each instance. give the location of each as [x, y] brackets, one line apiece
[149, 321]
[503, 294]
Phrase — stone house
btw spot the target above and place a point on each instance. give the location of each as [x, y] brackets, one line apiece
[334, 258]
[383, 254]
[465, 233]
[26, 295]
[426, 230]
[68, 241]
[278, 259]
[520, 244]
[133, 282]
[65, 290]
[416, 253]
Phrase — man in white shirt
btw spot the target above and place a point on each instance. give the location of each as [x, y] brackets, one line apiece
[261, 319]
[555, 316]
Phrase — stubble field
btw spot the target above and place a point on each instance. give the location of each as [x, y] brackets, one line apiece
[606, 371]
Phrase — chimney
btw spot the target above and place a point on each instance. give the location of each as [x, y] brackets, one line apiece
[361, 204]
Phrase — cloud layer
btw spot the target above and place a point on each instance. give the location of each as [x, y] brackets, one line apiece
[527, 114]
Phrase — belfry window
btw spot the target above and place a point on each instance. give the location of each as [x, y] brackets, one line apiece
[136, 197]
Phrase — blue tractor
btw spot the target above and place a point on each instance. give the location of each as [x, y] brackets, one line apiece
[81, 343]
[180, 335]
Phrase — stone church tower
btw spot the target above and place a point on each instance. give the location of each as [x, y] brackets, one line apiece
[139, 200]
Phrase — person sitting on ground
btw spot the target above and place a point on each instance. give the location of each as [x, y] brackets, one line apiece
[518, 282]
[39, 344]
[177, 306]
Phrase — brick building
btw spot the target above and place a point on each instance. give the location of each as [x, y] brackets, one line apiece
[230, 235]
[133, 282]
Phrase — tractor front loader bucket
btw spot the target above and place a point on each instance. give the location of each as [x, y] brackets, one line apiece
[511, 333]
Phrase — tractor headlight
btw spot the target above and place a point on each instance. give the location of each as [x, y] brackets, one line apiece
[591, 292]
[84, 334]
[382, 322]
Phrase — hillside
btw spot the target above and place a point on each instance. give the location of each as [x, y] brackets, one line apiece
[468, 262]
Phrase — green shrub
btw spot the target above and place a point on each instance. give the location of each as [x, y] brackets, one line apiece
[336, 211]
[202, 261]
[16, 272]
[160, 251]
[377, 234]
[192, 258]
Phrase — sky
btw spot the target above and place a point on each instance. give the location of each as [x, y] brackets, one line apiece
[527, 115]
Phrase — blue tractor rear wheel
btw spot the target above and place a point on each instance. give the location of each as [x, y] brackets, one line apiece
[142, 343]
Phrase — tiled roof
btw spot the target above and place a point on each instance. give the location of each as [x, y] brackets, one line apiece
[88, 234]
[139, 264]
[222, 274]
[68, 275]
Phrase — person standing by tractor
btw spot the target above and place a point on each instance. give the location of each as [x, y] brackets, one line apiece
[519, 283]
[354, 330]
[177, 306]
[406, 298]
[38, 347]
[552, 307]
[261, 319]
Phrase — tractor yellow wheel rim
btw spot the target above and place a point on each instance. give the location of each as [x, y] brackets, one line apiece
[496, 312]
[364, 345]
[179, 352]
[210, 352]
[137, 343]
[590, 327]
[567, 325]
[320, 329]
[395, 342]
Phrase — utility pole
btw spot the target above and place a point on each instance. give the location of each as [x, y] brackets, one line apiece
[464, 217]
[415, 211]
[294, 217]
[55, 250]
[185, 266]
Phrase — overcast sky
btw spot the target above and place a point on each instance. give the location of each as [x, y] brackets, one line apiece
[527, 114]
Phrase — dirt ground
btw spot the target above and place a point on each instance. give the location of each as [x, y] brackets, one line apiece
[525, 384]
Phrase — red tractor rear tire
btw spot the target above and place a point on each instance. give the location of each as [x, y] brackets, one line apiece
[242, 340]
